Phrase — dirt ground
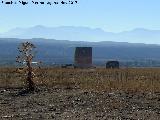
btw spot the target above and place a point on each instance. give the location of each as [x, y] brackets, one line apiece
[60, 103]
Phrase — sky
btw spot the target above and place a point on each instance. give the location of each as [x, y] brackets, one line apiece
[109, 15]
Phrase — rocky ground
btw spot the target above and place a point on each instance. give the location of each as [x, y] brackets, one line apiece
[60, 103]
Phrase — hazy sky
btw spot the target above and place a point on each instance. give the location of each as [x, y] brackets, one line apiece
[110, 15]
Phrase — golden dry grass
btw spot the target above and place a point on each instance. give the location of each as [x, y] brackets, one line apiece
[135, 79]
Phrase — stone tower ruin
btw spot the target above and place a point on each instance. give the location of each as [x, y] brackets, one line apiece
[83, 57]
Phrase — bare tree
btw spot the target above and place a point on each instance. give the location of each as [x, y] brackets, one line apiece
[26, 54]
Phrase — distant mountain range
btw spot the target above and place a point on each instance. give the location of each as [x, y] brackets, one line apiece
[57, 45]
[138, 35]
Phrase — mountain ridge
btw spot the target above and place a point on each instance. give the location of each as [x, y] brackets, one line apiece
[75, 33]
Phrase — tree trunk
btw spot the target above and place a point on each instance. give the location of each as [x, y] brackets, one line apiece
[31, 85]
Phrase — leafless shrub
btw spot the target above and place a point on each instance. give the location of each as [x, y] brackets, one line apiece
[25, 57]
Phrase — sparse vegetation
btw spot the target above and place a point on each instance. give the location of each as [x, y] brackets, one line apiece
[138, 79]
[74, 94]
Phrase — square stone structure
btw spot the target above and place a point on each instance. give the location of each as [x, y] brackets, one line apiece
[83, 57]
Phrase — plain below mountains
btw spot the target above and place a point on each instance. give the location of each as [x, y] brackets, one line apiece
[52, 51]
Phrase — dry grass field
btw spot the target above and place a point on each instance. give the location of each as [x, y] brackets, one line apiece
[135, 79]
[92, 94]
